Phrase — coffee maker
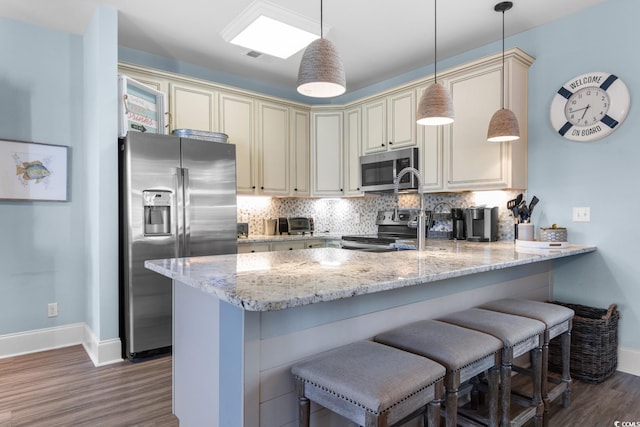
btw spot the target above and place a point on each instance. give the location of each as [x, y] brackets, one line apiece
[482, 224]
[457, 219]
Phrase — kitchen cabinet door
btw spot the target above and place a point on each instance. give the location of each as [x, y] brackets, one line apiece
[374, 125]
[300, 145]
[326, 148]
[401, 119]
[192, 107]
[473, 163]
[390, 122]
[431, 154]
[352, 144]
[237, 121]
[273, 148]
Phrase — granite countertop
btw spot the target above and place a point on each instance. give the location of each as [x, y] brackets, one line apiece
[269, 281]
[267, 238]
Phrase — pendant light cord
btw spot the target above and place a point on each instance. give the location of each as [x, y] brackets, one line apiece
[435, 41]
[322, 29]
[503, 76]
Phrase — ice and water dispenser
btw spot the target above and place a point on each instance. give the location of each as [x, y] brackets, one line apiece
[157, 212]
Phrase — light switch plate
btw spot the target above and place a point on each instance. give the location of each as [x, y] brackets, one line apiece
[582, 214]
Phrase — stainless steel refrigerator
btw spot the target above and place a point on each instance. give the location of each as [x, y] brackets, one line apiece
[177, 199]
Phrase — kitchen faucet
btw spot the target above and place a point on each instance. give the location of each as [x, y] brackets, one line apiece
[421, 214]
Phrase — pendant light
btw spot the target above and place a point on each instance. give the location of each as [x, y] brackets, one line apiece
[321, 74]
[435, 106]
[504, 124]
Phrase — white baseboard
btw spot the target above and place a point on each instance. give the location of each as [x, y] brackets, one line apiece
[629, 360]
[101, 353]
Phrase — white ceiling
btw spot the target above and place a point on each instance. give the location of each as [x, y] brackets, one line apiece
[376, 39]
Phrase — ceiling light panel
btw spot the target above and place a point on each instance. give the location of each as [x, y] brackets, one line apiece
[271, 29]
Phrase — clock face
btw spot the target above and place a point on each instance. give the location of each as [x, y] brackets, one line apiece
[590, 106]
[587, 106]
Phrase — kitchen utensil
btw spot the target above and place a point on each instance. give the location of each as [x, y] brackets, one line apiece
[533, 203]
[523, 211]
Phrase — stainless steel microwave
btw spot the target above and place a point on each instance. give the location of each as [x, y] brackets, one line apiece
[377, 171]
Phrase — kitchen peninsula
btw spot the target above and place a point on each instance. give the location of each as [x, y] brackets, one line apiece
[241, 321]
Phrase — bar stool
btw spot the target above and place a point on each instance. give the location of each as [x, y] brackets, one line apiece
[370, 384]
[465, 353]
[558, 320]
[519, 335]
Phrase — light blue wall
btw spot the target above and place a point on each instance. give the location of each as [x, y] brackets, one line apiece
[42, 254]
[101, 134]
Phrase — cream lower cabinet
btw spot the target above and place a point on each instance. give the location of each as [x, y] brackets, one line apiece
[326, 154]
[245, 248]
[288, 246]
[469, 161]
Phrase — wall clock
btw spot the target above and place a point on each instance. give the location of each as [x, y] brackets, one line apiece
[590, 106]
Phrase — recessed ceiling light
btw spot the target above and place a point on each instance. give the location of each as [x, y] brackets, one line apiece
[271, 29]
[273, 37]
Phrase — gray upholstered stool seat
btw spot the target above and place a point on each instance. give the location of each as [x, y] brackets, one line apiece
[370, 384]
[519, 335]
[464, 352]
[558, 320]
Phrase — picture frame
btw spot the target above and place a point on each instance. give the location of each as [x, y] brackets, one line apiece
[140, 107]
[31, 171]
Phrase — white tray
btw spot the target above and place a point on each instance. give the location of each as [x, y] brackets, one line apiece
[534, 244]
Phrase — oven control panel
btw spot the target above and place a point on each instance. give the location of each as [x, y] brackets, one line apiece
[405, 216]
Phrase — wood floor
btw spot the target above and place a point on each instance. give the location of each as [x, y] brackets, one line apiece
[63, 388]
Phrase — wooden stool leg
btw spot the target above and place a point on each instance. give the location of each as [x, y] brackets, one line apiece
[494, 386]
[565, 346]
[433, 408]
[545, 374]
[304, 406]
[536, 361]
[505, 392]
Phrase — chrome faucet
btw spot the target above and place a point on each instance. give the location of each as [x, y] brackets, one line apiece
[421, 214]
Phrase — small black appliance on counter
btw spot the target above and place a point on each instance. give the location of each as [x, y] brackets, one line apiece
[482, 224]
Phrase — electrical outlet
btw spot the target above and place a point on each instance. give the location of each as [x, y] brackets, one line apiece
[52, 309]
[582, 214]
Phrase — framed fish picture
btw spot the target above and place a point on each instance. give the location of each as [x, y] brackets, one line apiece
[33, 171]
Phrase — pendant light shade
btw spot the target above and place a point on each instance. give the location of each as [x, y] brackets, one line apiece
[321, 74]
[435, 106]
[504, 124]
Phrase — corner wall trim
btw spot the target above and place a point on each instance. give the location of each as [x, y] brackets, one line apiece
[101, 353]
[629, 361]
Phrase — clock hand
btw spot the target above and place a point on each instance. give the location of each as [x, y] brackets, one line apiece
[580, 109]
[585, 111]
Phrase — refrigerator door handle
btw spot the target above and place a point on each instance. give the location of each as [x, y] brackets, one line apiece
[187, 206]
[179, 213]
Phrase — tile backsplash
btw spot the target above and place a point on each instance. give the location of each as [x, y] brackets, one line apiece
[357, 215]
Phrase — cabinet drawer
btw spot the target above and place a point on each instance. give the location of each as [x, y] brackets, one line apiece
[245, 248]
[288, 246]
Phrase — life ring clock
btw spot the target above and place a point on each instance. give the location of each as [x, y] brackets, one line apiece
[590, 106]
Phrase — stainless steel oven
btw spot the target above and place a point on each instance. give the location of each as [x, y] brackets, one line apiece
[377, 171]
[392, 231]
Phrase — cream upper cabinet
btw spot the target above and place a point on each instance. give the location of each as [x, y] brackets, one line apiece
[389, 122]
[374, 125]
[458, 156]
[299, 149]
[273, 148]
[237, 120]
[326, 154]
[431, 154]
[192, 106]
[352, 144]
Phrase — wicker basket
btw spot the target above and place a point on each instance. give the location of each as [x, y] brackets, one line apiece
[594, 343]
